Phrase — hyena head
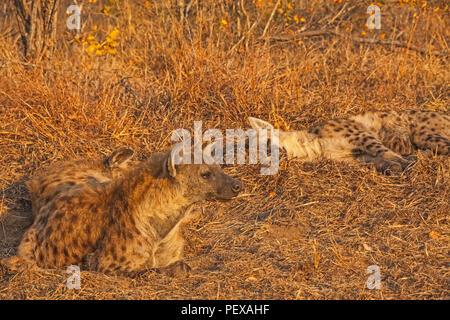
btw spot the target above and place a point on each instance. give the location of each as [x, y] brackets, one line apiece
[202, 181]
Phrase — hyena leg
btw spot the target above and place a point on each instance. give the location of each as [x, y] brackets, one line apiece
[383, 157]
[398, 141]
[27, 247]
[432, 141]
[368, 148]
[169, 254]
[24, 259]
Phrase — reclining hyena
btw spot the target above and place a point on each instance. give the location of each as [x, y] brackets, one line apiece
[64, 176]
[127, 226]
[381, 138]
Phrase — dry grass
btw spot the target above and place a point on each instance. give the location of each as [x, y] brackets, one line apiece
[308, 232]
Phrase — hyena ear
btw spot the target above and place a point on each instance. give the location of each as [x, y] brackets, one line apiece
[174, 158]
[119, 157]
[259, 124]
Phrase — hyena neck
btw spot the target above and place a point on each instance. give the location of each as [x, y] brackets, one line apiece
[301, 144]
[153, 203]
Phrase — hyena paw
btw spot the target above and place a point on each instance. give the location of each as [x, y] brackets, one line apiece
[13, 264]
[177, 269]
[411, 160]
[388, 167]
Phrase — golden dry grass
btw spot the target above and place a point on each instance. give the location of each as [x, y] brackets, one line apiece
[308, 232]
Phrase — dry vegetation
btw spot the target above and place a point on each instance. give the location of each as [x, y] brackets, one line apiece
[308, 232]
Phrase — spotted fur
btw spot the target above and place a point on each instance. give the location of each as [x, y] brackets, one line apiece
[68, 175]
[381, 138]
[128, 225]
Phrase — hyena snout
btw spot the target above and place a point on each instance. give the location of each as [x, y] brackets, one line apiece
[228, 188]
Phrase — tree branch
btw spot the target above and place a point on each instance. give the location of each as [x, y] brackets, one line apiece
[325, 32]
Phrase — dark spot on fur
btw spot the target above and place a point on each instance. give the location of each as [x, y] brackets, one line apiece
[112, 266]
[58, 216]
[65, 198]
[43, 187]
[113, 253]
[76, 256]
[48, 231]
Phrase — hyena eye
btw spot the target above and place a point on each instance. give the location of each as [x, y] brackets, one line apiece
[206, 175]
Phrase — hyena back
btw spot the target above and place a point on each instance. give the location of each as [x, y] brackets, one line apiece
[62, 177]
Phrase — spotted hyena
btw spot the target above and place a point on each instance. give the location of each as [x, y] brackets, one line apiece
[68, 175]
[127, 226]
[381, 138]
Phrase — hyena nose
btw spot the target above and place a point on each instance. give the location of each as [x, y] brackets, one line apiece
[236, 187]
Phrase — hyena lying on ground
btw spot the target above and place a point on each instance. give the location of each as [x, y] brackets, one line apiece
[127, 226]
[62, 177]
[381, 138]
